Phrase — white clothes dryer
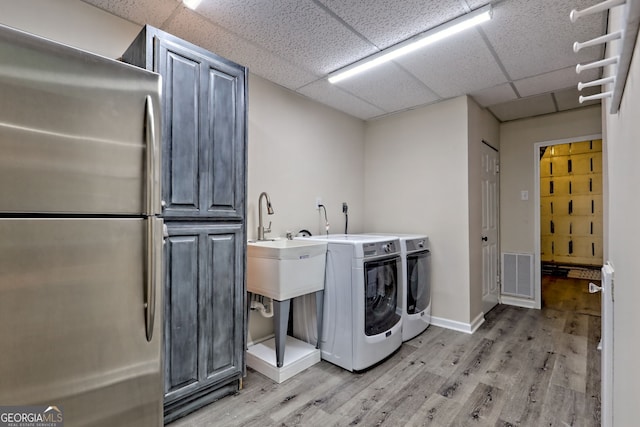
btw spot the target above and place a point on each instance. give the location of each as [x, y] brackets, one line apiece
[361, 321]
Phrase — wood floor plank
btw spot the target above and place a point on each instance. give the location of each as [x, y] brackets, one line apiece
[436, 411]
[563, 407]
[524, 402]
[521, 368]
[570, 370]
[462, 382]
[593, 380]
[482, 408]
[577, 324]
[384, 388]
[354, 383]
[504, 367]
[400, 407]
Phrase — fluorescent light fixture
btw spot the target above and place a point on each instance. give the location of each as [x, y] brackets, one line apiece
[192, 4]
[450, 28]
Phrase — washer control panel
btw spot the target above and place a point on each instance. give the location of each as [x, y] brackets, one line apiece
[417, 244]
[387, 247]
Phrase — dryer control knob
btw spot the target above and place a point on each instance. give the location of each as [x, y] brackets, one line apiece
[386, 248]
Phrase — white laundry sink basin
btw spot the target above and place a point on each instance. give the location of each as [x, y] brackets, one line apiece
[284, 269]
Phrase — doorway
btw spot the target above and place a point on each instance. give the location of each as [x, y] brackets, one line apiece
[568, 233]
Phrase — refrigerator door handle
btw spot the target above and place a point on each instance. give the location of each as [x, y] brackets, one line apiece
[151, 274]
[152, 157]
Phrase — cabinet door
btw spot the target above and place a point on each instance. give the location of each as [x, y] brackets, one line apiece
[204, 309]
[203, 132]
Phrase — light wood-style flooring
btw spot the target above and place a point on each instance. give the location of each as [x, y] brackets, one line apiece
[521, 368]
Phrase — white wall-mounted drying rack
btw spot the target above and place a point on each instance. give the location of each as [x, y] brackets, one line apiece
[620, 60]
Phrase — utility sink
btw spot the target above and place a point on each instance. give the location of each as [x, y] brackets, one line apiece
[283, 269]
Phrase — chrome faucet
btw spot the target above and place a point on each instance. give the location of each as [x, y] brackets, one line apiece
[261, 228]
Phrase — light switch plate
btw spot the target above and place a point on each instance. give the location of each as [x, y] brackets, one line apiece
[524, 195]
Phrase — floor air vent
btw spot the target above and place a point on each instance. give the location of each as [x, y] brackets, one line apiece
[517, 275]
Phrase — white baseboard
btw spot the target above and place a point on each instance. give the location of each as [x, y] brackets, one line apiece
[518, 302]
[467, 328]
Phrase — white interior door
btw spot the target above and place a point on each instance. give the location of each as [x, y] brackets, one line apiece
[490, 221]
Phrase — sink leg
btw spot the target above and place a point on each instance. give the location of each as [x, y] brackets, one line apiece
[319, 314]
[281, 321]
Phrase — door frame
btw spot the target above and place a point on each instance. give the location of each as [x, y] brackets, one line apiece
[537, 271]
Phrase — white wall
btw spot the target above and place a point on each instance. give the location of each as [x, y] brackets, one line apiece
[416, 181]
[71, 22]
[517, 140]
[299, 149]
[623, 225]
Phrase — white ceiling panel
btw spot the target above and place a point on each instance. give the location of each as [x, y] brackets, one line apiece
[455, 66]
[558, 79]
[568, 98]
[495, 95]
[387, 22]
[525, 107]
[518, 64]
[475, 4]
[298, 30]
[389, 88]
[533, 37]
[229, 45]
[337, 98]
[153, 12]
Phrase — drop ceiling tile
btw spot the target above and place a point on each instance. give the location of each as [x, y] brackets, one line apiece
[524, 107]
[389, 88]
[549, 82]
[568, 99]
[455, 66]
[192, 27]
[304, 33]
[494, 95]
[535, 37]
[153, 12]
[387, 22]
[331, 95]
[475, 4]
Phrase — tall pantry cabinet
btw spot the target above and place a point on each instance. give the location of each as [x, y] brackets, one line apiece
[203, 191]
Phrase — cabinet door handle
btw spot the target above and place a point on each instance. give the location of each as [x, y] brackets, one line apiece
[485, 238]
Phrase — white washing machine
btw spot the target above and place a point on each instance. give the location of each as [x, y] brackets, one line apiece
[415, 293]
[361, 321]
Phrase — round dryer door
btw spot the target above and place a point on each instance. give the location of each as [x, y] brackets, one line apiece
[418, 281]
[381, 295]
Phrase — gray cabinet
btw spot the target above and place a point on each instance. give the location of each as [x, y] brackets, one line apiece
[203, 190]
[203, 129]
[204, 314]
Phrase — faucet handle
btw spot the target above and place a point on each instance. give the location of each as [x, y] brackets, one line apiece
[268, 229]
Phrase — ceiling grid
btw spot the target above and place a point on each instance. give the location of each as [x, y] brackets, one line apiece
[518, 64]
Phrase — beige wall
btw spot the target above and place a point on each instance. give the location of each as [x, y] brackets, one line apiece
[71, 22]
[299, 149]
[517, 140]
[623, 154]
[421, 174]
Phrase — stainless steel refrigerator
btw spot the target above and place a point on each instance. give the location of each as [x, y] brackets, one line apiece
[80, 236]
